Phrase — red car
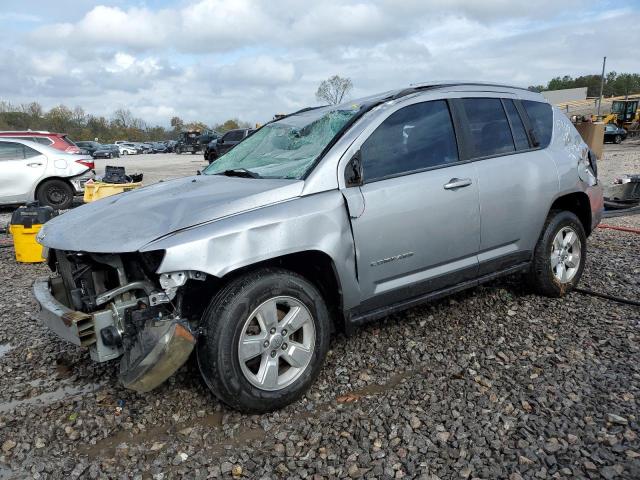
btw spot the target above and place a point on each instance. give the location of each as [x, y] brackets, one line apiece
[58, 141]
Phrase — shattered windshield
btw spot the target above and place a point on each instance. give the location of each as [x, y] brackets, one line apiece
[286, 148]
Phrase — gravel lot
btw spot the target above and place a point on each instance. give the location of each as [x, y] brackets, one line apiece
[491, 383]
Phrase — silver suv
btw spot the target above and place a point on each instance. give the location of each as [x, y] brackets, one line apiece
[320, 221]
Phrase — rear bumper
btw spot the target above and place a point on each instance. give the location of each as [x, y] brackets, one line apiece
[79, 182]
[596, 201]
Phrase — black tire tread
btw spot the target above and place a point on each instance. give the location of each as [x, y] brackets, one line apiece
[539, 277]
[217, 379]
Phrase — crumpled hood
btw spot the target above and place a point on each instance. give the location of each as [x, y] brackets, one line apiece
[128, 221]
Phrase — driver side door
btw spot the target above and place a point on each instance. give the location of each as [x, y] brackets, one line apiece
[419, 228]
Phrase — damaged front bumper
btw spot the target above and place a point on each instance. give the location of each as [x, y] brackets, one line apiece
[163, 345]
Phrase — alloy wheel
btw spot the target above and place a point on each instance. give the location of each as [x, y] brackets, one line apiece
[276, 343]
[566, 251]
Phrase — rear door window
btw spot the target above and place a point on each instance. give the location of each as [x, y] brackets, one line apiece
[488, 127]
[415, 137]
[541, 118]
[11, 151]
[517, 127]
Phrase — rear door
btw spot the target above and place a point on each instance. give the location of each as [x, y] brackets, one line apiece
[516, 179]
[419, 228]
[21, 167]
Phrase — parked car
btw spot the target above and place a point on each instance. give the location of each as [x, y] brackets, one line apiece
[613, 133]
[159, 147]
[321, 221]
[126, 149]
[31, 171]
[89, 146]
[226, 142]
[107, 151]
[59, 141]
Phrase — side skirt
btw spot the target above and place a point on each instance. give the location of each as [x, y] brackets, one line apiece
[353, 321]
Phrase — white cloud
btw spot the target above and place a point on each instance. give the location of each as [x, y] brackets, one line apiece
[215, 59]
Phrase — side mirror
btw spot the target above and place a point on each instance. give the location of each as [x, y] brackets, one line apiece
[353, 174]
[220, 140]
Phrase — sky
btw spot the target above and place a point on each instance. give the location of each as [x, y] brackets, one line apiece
[211, 60]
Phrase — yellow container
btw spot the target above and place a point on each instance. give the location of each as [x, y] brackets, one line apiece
[96, 190]
[25, 245]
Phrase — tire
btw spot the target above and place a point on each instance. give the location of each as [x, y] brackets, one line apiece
[233, 311]
[617, 139]
[543, 276]
[55, 193]
[125, 152]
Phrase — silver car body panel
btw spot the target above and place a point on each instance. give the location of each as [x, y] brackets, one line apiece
[128, 221]
[403, 236]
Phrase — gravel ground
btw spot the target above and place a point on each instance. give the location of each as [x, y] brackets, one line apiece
[491, 383]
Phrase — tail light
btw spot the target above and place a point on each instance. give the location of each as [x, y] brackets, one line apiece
[87, 163]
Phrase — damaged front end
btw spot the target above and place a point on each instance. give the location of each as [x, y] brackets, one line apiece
[118, 307]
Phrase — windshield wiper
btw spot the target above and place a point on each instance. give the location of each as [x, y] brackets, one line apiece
[240, 172]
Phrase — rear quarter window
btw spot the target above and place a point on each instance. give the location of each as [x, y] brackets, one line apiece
[541, 118]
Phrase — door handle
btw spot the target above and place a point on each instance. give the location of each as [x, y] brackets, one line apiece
[457, 183]
[34, 164]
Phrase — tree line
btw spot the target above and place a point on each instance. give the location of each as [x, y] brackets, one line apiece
[615, 84]
[79, 125]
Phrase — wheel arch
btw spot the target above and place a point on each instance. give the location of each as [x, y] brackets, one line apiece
[577, 203]
[44, 180]
[314, 265]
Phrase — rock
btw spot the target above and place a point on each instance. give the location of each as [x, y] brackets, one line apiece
[8, 445]
[631, 454]
[226, 467]
[156, 446]
[617, 419]
[515, 476]
[590, 465]
[180, 457]
[236, 471]
[415, 422]
[443, 436]
[354, 471]
[572, 439]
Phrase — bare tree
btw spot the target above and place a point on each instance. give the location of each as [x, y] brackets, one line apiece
[334, 89]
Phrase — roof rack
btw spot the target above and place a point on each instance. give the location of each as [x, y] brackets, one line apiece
[453, 83]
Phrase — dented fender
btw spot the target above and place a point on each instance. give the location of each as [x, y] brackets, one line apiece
[317, 222]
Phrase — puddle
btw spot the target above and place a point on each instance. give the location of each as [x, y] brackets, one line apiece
[4, 349]
[48, 398]
[106, 448]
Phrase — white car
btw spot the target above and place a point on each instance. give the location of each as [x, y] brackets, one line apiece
[30, 171]
[126, 149]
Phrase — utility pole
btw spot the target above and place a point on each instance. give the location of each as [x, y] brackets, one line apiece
[604, 62]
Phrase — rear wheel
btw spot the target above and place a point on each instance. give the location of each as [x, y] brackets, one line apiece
[559, 256]
[265, 336]
[55, 193]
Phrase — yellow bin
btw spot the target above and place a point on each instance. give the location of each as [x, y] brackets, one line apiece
[96, 190]
[25, 245]
[25, 224]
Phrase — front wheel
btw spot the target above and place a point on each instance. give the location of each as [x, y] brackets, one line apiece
[265, 336]
[559, 256]
[617, 139]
